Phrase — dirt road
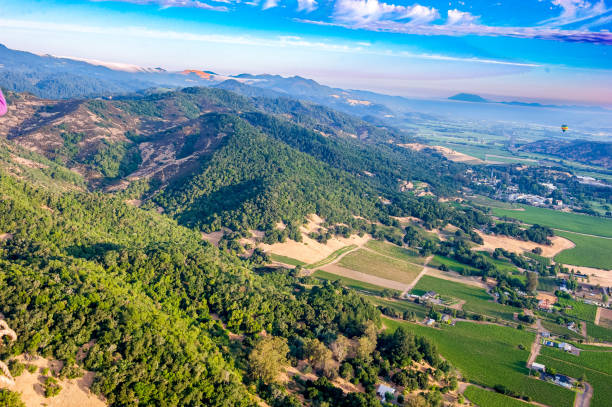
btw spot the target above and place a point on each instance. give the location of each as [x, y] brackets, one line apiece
[536, 345]
[584, 399]
[366, 278]
[418, 277]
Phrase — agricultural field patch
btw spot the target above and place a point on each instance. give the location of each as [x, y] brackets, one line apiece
[380, 266]
[476, 299]
[400, 306]
[599, 333]
[600, 360]
[577, 368]
[332, 257]
[590, 251]
[452, 264]
[560, 330]
[571, 222]
[490, 355]
[486, 398]
[605, 318]
[585, 312]
[352, 283]
[400, 253]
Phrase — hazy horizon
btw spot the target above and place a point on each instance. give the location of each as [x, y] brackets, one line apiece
[548, 51]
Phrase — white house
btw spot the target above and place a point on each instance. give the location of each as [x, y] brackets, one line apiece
[538, 366]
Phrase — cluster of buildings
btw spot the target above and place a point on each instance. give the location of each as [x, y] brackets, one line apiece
[535, 200]
[558, 379]
[561, 345]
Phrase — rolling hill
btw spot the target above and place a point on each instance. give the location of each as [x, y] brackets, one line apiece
[209, 156]
[584, 151]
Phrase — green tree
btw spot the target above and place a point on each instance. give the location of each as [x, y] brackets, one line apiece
[317, 353]
[532, 281]
[268, 357]
[10, 399]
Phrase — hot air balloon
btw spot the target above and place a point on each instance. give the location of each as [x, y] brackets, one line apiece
[564, 128]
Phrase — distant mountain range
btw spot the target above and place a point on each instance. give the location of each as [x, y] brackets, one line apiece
[54, 77]
[470, 97]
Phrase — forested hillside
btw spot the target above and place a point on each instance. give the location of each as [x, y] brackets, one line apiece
[212, 158]
[151, 306]
[584, 151]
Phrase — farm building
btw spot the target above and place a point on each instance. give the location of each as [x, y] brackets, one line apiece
[383, 390]
[565, 346]
[564, 381]
[538, 366]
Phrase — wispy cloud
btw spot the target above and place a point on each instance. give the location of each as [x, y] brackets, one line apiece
[276, 42]
[307, 5]
[374, 15]
[176, 3]
[143, 32]
[574, 11]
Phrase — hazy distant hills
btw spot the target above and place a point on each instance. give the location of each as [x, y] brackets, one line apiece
[60, 78]
[64, 78]
[588, 152]
[470, 97]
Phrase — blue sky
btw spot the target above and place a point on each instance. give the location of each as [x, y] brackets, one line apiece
[548, 50]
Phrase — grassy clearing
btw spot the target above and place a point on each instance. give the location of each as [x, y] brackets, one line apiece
[332, 257]
[394, 251]
[286, 260]
[380, 266]
[350, 283]
[490, 355]
[572, 222]
[585, 312]
[589, 251]
[476, 299]
[486, 398]
[594, 365]
[454, 265]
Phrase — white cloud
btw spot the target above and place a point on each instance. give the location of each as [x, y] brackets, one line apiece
[421, 14]
[456, 17]
[362, 12]
[270, 4]
[307, 5]
[574, 11]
